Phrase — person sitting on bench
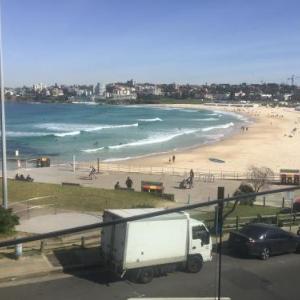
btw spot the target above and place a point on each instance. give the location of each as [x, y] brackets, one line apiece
[117, 185]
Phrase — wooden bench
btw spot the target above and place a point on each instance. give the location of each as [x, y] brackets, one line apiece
[152, 187]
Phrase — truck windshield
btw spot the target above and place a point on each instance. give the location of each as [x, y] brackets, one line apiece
[199, 232]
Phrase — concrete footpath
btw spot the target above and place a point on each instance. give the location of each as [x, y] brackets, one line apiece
[58, 261]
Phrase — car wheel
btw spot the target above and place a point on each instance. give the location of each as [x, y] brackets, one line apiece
[194, 264]
[265, 254]
[145, 275]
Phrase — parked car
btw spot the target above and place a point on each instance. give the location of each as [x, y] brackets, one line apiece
[296, 205]
[296, 208]
[263, 240]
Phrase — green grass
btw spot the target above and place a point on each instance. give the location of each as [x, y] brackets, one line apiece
[241, 211]
[78, 198]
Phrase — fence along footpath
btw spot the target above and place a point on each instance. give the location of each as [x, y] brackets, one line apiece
[200, 174]
[78, 229]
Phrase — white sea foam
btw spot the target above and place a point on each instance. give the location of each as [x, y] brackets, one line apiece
[213, 114]
[224, 126]
[206, 119]
[85, 102]
[233, 114]
[26, 134]
[72, 128]
[63, 134]
[154, 140]
[150, 120]
[92, 150]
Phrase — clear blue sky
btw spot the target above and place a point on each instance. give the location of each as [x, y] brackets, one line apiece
[195, 41]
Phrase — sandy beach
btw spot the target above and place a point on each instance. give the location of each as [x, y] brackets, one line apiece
[272, 140]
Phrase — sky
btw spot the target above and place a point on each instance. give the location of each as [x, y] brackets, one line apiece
[187, 41]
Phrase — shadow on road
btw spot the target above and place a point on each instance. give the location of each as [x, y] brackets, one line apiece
[84, 263]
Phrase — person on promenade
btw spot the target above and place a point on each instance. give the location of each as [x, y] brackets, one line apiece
[129, 182]
[92, 173]
[117, 185]
[192, 175]
[173, 158]
[190, 180]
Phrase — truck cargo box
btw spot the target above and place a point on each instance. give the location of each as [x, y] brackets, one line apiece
[157, 240]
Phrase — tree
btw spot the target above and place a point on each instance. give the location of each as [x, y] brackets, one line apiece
[243, 189]
[259, 177]
[8, 220]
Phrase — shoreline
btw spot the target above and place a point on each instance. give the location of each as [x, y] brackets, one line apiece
[271, 141]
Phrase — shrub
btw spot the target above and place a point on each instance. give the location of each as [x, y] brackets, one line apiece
[243, 189]
[8, 220]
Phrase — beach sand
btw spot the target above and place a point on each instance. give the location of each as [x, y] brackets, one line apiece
[269, 141]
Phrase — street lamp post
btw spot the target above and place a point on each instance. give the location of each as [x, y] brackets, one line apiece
[3, 134]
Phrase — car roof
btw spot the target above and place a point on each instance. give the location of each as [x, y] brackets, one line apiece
[262, 226]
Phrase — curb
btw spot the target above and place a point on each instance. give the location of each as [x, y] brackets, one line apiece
[55, 270]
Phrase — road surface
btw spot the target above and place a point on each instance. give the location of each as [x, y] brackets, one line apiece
[243, 279]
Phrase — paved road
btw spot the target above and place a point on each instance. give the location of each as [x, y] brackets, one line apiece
[243, 279]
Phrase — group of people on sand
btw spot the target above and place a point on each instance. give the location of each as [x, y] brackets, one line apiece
[243, 128]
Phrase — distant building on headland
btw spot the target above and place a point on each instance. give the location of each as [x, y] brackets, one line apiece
[119, 91]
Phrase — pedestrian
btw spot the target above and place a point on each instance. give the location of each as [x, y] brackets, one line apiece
[169, 160]
[92, 173]
[129, 182]
[117, 185]
[173, 158]
[192, 174]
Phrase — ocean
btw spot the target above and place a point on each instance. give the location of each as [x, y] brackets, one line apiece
[110, 133]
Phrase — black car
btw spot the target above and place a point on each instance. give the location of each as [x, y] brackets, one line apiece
[262, 240]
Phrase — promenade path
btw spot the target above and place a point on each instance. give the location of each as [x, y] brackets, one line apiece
[201, 192]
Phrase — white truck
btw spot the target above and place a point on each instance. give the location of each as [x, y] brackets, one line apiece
[153, 246]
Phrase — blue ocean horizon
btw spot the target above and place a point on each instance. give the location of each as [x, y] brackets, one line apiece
[110, 132]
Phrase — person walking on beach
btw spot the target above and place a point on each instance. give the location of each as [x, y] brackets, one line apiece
[173, 158]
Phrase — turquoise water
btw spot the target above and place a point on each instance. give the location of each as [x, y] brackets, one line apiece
[110, 133]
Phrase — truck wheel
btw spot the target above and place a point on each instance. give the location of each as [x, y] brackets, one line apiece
[194, 264]
[145, 275]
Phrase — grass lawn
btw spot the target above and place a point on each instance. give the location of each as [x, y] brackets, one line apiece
[241, 211]
[79, 198]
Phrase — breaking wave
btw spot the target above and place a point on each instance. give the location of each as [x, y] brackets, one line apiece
[150, 141]
[150, 120]
[206, 119]
[64, 129]
[218, 127]
[92, 150]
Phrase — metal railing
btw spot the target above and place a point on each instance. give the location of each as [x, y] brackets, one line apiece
[139, 217]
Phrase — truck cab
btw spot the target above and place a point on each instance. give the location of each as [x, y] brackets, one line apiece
[199, 240]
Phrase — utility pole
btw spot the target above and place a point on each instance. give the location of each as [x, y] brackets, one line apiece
[3, 137]
[221, 193]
